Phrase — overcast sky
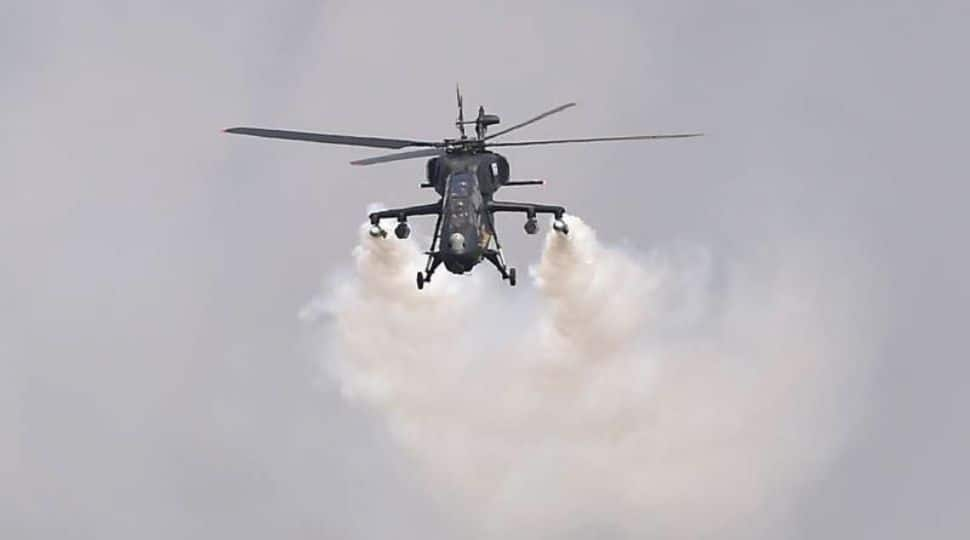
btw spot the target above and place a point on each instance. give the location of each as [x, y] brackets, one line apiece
[154, 379]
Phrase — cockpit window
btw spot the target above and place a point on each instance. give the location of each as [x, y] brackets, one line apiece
[463, 199]
[461, 185]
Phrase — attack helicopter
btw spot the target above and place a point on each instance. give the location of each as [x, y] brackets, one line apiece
[465, 174]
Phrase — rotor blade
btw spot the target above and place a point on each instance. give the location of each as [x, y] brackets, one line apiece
[375, 142]
[531, 120]
[598, 139]
[426, 152]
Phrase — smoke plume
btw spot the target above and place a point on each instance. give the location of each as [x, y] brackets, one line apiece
[633, 394]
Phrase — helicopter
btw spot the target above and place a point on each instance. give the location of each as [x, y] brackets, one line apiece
[465, 174]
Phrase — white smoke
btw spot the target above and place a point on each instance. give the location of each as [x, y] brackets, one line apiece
[645, 395]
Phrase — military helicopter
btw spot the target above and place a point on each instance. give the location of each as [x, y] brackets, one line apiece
[465, 173]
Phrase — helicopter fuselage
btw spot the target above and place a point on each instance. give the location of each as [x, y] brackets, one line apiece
[466, 178]
[466, 183]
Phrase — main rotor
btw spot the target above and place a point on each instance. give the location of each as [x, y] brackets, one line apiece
[464, 144]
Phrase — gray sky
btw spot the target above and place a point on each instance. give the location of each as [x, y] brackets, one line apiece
[154, 379]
